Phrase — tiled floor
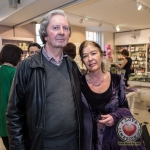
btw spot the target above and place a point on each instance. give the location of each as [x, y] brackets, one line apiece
[1, 145]
[140, 112]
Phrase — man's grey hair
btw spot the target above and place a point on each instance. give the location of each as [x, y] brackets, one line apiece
[45, 22]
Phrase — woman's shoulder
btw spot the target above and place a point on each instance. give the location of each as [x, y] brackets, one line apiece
[115, 75]
[83, 78]
[128, 58]
[8, 68]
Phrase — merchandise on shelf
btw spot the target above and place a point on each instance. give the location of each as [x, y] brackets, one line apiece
[148, 58]
[19, 41]
[140, 58]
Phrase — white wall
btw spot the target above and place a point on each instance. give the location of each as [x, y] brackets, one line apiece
[127, 38]
[78, 34]
[26, 31]
[106, 38]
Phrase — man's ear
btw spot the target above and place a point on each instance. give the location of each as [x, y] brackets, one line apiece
[70, 35]
[45, 38]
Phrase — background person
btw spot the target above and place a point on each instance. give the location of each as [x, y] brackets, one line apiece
[70, 50]
[10, 56]
[104, 101]
[110, 58]
[33, 48]
[44, 110]
[126, 64]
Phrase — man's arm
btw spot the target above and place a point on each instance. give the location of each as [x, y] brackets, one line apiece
[16, 110]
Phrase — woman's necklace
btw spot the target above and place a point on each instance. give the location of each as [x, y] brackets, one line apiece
[101, 80]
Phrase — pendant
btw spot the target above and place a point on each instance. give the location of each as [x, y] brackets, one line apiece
[95, 84]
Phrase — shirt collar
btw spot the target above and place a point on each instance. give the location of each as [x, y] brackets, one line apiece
[49, 57]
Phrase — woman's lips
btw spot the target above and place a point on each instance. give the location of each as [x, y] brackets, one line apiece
[91, 65]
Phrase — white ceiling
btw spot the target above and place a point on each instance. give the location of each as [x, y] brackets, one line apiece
[109, 13]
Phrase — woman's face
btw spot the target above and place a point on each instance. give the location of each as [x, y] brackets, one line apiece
[92, 58]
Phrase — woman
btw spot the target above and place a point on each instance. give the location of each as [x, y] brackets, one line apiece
[104, 101]
[10, 56]
[126, 64]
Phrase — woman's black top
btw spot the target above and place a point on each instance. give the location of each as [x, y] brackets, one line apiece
[127, 67]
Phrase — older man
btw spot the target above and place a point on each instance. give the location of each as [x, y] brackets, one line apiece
[44, 111]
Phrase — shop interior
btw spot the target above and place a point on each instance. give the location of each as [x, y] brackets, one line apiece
[114, 24]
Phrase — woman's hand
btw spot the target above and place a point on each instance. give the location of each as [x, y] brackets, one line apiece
[116, 65]
[107, 120]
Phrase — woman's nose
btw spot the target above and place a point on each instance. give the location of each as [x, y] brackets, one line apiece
[90, 57]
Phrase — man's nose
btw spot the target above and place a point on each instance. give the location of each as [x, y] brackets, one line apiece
[61, 31]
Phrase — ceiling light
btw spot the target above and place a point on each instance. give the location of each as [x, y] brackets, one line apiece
[81, 20]
[100, 25]
[117, 28]
[139, 6]
[89, 17]
[86, 18]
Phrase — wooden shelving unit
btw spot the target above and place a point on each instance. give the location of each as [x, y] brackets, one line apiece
[19, 41]
[138, 54]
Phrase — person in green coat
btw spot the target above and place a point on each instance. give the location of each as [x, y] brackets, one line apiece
[10, 56]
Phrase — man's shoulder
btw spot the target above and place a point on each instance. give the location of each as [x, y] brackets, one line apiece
[31, 61]
[25, 62]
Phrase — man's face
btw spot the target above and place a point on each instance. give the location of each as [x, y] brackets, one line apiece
[58, 32]
[33, 50]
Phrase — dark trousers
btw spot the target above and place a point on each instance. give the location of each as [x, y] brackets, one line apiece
[126, 79]
[72, 145]
[5, 142]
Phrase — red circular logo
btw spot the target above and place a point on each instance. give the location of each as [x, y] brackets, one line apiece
[128, 129]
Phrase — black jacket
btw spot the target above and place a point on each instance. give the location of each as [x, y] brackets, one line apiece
[26, 108]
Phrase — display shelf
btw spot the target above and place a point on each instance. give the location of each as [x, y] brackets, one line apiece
[118, 50]
[138, 54]
[148, 58]
[19, 41]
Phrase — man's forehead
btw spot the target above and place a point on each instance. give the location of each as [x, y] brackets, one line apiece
[33, 48]
[55, 19]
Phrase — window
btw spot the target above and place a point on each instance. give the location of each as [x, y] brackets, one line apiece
[93, 36]
[38, 39]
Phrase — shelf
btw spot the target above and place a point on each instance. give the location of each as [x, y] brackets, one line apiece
[138, 60]
[138, 53]
[19, 41]
[148, 57]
